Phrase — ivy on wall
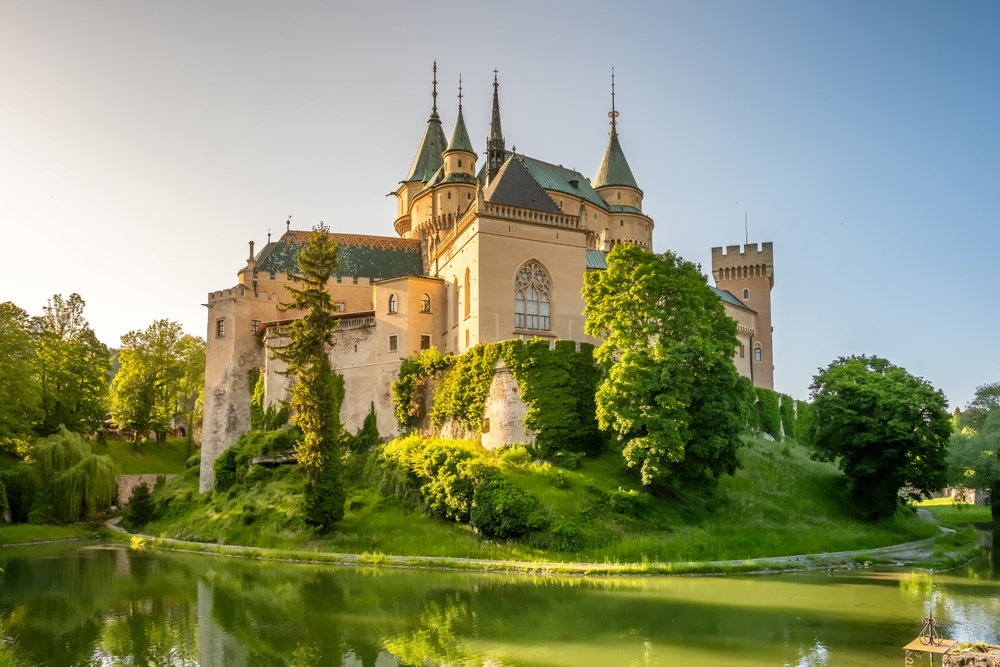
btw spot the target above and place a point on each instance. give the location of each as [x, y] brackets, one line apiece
[787, 410]
[261, 418]
[768, 413]
[557, 384]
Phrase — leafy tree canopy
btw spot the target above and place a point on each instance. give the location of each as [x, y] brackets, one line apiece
[886, 429]
[71, 366]
[978, 409]
[20, 394]
[672, 395]
[161, 375]
[974, 460]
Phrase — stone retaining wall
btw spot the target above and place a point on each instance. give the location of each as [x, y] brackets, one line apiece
[127, 484]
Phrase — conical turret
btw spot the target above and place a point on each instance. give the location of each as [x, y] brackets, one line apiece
[428, 159]
[460, 136]
[496, 150]
[614, 169]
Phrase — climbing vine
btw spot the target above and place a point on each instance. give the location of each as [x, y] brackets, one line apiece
[558, 385]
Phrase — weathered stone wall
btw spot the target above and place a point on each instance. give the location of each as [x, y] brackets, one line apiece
[503, 418]
[127, 484]
[972, 658]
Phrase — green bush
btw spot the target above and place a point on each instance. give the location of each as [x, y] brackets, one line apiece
[409, 388]
[565, 536]
[367, 436]
[515, 455]
[787, 410]
[324, 496]
[140, 509]
[225, 469]
[451, 474]
[769, 414]
[502, 510]
[233, 464]
[257, 473]
[193, 461]
[805, 422]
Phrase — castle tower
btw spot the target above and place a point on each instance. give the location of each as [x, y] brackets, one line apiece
[496, 149]
[617, 187]
[748, 274]
[460, 156]
[425, 163]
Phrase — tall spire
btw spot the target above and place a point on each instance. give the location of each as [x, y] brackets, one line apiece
[613, 114]
[460, 136]
[428, 158]
[614, 169]
[496, 153]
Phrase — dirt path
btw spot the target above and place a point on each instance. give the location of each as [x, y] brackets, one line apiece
[907, 554]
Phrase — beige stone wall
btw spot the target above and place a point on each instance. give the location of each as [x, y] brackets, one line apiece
[745, 326]
[748, 274]
[228, 359]
[505, 410]
[127, 484]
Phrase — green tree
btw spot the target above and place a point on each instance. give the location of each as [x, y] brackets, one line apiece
[140, 508]
[190, 395]
[885, 428]
[672, 395]
[974, 460]
[20, 394]
[978, 409]
[72, 368]
[318, 391]
[158, 378]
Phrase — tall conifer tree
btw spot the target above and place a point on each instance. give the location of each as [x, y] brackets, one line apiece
[318, 391]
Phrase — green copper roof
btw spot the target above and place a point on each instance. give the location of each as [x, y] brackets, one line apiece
[460, 136]
[559, 178]
[428, 157]
[730, 299]
[359, 255]
[597, 260]
[440, 178]
[614, 169]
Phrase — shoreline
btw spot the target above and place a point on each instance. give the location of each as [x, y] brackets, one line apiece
[908, 554]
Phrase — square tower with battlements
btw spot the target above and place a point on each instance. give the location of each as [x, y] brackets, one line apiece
[747, 273]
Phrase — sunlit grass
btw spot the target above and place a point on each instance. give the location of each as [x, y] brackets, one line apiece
[956, 515]
[161, 458]
[24, 533]
[780, 503]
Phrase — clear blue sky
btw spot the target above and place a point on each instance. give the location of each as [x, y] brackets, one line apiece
[143, 144]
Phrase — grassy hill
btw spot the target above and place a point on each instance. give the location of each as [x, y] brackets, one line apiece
[779, 503]
[159, 458]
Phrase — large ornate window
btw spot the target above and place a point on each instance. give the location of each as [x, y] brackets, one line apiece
[531, 298]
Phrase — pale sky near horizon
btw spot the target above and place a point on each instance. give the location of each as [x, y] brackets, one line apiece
[143, 144]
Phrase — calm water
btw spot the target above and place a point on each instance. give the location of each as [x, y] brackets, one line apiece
[106, 605]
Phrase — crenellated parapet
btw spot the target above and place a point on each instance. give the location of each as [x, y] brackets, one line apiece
[743, 262]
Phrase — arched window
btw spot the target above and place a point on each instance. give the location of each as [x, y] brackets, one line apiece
[393, 304]
[425, 303]
[531, 298]
[468, 292]
[746, 294]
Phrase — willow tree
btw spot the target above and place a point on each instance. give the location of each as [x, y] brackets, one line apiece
[77, 483]
[318, 391]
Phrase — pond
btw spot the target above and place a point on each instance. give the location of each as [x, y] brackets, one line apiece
[102, 604]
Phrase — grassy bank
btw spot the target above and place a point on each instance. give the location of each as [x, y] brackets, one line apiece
[146, 458]
[24, 533]
[780, 503]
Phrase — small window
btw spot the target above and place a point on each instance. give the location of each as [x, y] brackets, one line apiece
[468, 195]
[756, 354]
[393, 304]
[425, 303]
[466, 338]
[746, 294]
[619, 196]
[425, 342]
[449, 195]
[220, 328]
[621, 223]
[393, 343]
[340, 306]
[741, 350]
[254, 326]
[460, 164]
[486, 424]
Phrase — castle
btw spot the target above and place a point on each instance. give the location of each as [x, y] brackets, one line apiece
[483, 254]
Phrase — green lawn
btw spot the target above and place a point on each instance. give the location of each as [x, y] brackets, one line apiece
[147, 457]
[22, 533]
[956, 515]
[780, 503]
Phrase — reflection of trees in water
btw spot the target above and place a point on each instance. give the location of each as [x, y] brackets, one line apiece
[440, 637]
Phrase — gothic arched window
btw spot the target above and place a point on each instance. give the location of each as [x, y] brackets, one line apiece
[425, 303]
[531, 298]
[393, 305]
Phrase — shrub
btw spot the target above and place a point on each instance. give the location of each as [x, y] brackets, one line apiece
[769, 412]
[367, 436]
[193, 461]
[451, 475]
[566, 536]
[324, 497]
[515, 455]
[805, 422]
[225, 469]
[787, 410]
[502, 510]
[257, 473]
[629, 503]
[140, 510]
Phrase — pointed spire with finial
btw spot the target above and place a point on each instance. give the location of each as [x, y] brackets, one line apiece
[614, 169]
[428, 158]
[460, 137]
[495, 147]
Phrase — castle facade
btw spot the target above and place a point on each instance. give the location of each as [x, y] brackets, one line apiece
[483, 253]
